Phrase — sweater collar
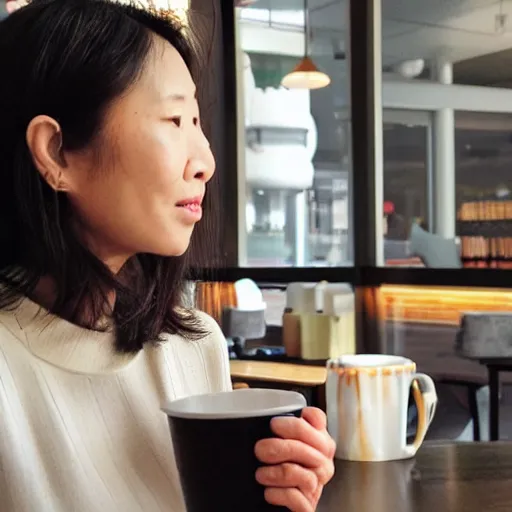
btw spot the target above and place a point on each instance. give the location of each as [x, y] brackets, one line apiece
[62, 343]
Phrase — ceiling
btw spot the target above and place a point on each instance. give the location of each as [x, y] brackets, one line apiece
[453, 29]
[462, 31]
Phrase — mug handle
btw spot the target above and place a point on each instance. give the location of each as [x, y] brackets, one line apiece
[425, 396]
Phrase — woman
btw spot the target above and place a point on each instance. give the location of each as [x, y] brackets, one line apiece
[103, 171]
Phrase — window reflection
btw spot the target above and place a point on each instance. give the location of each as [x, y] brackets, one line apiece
[296, 161]
[483, 144]
[406, 194]
[449, 179]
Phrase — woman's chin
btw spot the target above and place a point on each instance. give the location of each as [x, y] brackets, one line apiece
[167, 242]
[176, 249]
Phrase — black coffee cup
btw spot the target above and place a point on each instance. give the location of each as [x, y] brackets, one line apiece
[214, 438]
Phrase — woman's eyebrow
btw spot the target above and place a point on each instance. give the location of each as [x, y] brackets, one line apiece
[179, 96]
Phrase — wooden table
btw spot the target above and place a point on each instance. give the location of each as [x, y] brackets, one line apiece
[283, 376]
[463, 477]
[279, 372]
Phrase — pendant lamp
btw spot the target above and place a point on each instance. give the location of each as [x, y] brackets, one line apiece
[306, 75]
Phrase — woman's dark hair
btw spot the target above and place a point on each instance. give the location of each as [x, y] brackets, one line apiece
[69, 59]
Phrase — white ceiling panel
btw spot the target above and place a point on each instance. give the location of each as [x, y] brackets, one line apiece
[432, 42]
[430, 11]
[398, 28]
[457, 29]
[328, 13]
[482, 19]
[333, 16]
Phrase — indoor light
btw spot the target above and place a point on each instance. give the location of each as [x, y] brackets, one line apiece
[306, 75]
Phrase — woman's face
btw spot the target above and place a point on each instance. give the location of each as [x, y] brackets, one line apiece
[140, 189]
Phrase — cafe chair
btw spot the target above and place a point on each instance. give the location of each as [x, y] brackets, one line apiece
[434, 250]
[239, 326]
[438, 252]
[486, 337]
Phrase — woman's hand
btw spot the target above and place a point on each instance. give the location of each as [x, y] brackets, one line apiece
[300, 460]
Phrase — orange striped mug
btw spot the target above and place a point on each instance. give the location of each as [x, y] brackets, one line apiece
[367, 405]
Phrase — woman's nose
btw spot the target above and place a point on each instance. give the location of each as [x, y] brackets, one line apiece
[201, 164]
[200, 168]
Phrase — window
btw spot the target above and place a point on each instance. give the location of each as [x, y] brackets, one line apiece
[295, 169]
[483, 149]
[448, 177]
[406, 137]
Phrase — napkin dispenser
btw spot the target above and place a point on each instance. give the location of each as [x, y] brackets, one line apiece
[325, 336]
[319, 320]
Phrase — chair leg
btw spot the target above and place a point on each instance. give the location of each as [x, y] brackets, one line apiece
[473, 409]
[494, 406]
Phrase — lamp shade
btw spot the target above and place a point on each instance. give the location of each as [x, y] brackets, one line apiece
[306, 76]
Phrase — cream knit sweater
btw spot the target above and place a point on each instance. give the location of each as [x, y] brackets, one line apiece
[80, 426]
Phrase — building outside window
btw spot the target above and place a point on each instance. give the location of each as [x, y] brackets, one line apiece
[295, 143]
[446, 177]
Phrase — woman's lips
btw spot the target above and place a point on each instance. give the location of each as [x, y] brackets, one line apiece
[190, 200]
[192, 211]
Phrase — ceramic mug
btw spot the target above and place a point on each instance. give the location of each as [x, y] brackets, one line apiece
[367, 405]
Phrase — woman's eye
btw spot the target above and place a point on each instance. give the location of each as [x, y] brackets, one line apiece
[196, 121]
[176, 120]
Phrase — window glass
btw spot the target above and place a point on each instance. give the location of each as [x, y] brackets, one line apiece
[295, 169]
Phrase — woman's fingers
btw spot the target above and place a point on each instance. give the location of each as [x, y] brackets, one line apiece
[290, 498]
[301, 429]
[315, 417]
[299, 461]
[277, 451]
[288, 475]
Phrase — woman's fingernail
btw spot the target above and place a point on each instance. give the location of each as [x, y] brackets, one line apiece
[281, 420]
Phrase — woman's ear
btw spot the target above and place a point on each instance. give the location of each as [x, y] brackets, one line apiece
[44, 140]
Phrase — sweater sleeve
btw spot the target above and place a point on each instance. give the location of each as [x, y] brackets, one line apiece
[215, 355]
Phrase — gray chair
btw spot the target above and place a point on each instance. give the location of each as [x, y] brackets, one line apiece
[239, 326]
[397, 249]
[434, 250]
[486, 337]
[438, 252]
